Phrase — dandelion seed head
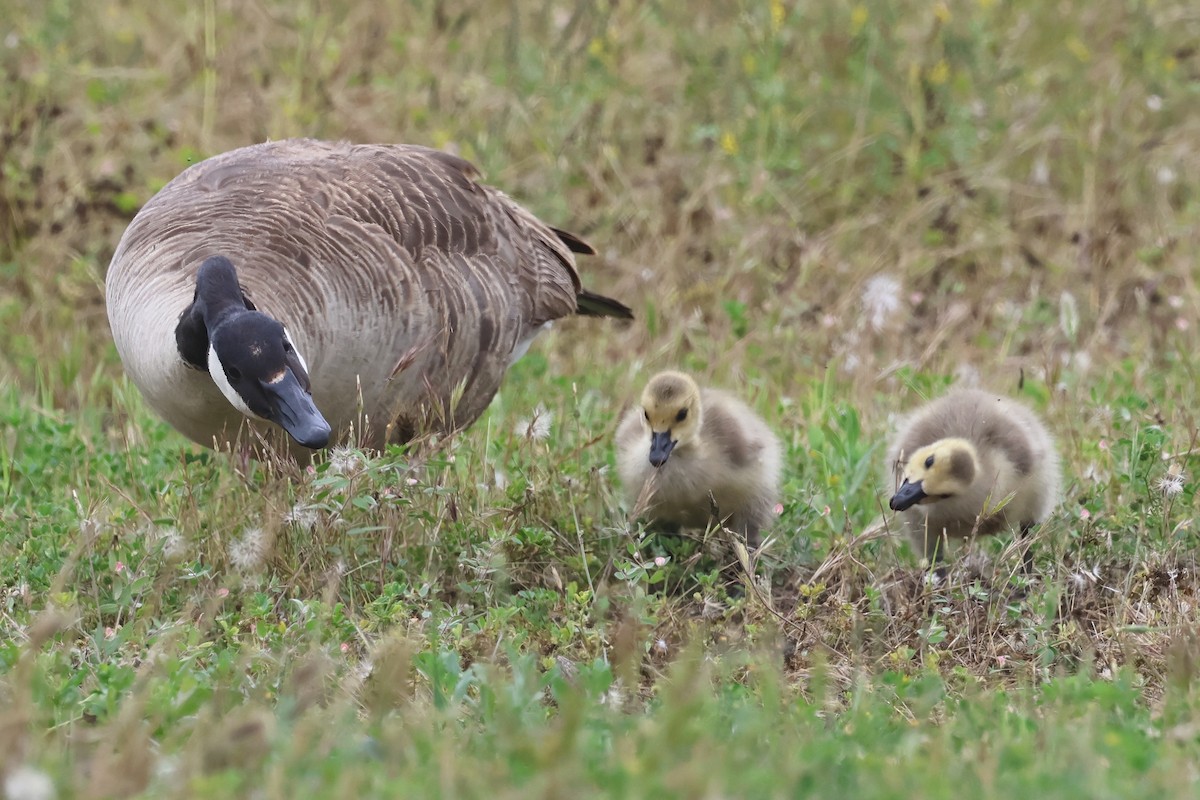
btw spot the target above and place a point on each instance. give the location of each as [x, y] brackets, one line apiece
[302, 516]
[28, 783]
[1040, 174]
[1171, 482]
[614, 697]
[173, 545]
[536, 428]
[880, 300]
[249, 551]
[344, 461]
[967, 375]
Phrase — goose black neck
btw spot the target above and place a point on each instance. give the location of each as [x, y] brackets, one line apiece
[218, 295]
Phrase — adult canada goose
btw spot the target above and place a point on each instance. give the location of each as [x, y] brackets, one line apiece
[329, 287]
[698, 454]
[972, 463]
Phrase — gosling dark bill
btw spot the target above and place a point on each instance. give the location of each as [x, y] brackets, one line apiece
[907, 496]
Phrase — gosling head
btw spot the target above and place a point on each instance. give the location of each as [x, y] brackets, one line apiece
[670, 414]
[248, 355]
[936, 472]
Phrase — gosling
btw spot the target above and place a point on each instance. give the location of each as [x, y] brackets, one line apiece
[689, 456]
[973, 463]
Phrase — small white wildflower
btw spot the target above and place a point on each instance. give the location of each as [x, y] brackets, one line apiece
[881, 299]
[12, 40]
[660, 645]
[1171, 483]
[302, 516]
[537, 428]
[249, 551]
[1165, 175]
[28, 783]
[1154, 103]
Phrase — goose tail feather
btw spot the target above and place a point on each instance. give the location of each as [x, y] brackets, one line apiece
[591, 304]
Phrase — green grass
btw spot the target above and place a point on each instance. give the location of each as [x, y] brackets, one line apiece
[479, 616]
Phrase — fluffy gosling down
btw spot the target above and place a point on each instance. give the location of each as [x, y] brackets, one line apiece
[970, 463]
[693, 455]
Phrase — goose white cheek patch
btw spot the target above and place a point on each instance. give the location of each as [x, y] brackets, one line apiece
[288, 338]
[217, 370]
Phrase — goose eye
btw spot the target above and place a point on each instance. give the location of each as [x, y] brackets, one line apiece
[682, 415]
[929, 462]
[233, 374]
[646, 414]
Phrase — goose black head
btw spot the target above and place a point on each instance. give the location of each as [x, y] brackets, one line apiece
[248, 355]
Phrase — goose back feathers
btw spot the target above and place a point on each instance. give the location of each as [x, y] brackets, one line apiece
[970, 463]
[402, 285]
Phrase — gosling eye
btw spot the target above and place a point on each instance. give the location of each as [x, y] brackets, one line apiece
[646, 414]
[682, 415]
[929, 462]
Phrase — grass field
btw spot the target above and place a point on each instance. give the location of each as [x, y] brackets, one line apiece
[836, 209]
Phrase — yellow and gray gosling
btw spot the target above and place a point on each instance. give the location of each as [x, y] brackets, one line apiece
[972, 463]
[692, 455]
